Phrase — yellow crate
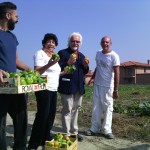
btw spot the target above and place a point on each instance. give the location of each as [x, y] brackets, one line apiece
[12, 86]
[74, 146]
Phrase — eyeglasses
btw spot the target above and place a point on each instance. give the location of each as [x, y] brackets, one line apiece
[75, 42]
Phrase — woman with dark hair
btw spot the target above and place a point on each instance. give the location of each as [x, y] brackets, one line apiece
[46, 99]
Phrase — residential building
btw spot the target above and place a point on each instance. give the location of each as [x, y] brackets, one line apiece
[132, 72]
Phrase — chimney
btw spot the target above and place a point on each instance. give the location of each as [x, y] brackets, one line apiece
[148, 62]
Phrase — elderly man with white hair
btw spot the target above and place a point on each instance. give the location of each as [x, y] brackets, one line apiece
[71, 86]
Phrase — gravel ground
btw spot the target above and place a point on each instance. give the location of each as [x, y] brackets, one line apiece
[89, 143]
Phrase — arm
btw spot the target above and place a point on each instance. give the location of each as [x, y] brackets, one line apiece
[84, 65]
[116, 81]
[42, 69]
[20, 64]
[91, 81]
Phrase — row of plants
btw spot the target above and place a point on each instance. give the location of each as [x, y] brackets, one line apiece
[133, 99]
[136, 107]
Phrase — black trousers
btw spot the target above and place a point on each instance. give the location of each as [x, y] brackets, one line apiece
[16, 106]
[44, 119]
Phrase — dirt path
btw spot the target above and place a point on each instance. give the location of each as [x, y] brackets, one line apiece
[89, 143]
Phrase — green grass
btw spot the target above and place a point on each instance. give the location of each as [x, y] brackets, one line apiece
[131, 117]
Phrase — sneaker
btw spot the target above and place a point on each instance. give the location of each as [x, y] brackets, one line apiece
[80, 137]
[109, 136]
[90, 133]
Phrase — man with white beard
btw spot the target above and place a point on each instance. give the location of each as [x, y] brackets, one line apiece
[71, 86]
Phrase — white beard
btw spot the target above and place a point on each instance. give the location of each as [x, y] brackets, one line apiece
[74, 48]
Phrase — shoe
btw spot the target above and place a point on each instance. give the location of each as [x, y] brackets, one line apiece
[109, 136]
[90, 133]
[80, 137]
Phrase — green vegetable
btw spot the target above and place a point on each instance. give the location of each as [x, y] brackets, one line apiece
[73, 55]
[28, 77]
[70, 68]
[55, 56]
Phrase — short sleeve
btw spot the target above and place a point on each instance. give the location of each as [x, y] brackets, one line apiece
[116, 60]
[38, 59]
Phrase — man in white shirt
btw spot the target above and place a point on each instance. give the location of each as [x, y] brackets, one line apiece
[106, 81]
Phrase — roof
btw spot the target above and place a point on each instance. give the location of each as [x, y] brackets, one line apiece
[134, 63]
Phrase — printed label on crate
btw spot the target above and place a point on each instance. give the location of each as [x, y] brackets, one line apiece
[32, 87]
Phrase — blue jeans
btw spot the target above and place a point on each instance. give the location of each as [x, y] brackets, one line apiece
[16, 106]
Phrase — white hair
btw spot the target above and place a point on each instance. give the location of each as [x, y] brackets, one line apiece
[75, 34]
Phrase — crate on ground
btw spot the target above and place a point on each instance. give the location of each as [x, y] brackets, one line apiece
[49, 145]
[13, 86]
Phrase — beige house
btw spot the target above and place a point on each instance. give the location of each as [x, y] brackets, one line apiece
[132, 72]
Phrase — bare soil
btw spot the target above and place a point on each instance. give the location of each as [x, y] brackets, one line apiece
[89, 142]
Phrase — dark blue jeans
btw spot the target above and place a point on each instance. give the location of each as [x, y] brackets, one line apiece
[44, 119]
[16, 106]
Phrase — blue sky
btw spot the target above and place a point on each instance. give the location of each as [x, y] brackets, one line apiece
[127, 22]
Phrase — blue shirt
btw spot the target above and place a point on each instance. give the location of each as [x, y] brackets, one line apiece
[8, 48]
